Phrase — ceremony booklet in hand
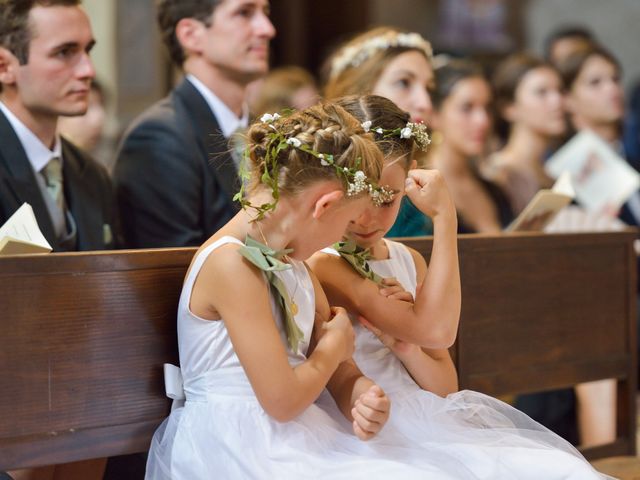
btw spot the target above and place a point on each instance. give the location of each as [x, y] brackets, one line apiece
[544, 206]
[21, 234]
[602, 179]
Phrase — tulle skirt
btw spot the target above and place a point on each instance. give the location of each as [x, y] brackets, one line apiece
[468, 435]
[227, 435]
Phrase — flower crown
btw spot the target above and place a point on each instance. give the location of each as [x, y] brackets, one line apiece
[356, 55]
[356, 180]
[416, 131]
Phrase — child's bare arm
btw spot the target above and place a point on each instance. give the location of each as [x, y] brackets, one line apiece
[359, 399]
[432, 321]
[282, 390]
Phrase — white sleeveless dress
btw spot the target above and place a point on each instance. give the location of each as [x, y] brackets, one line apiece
[468, 435]
[222, 432]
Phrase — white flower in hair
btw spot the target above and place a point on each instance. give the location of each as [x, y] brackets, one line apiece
[406, 132]
[379, 130]
[269, 117]
[294, 142]
[366, 125]
[359, 184]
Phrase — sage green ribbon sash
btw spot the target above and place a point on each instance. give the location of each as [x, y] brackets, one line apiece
[358, 258]
[268, 260]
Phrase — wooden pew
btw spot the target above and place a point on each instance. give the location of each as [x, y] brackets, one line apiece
[84, 336]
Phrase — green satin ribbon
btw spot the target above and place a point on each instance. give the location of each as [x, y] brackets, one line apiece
[358, 258]
[268, 260]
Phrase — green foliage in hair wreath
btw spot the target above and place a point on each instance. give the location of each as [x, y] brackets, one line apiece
[277, 142]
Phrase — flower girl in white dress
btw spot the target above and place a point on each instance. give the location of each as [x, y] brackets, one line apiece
[467, 434]
[257, 339]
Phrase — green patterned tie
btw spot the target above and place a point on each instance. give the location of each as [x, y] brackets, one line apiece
[358, 258]
[53, 178]
[268, 260]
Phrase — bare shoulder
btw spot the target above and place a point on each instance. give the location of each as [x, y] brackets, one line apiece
[225, 276]
[323, 264]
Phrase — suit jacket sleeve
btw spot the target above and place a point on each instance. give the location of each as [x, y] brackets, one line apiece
[159, 182]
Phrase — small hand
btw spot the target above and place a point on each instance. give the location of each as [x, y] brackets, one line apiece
[370, 412]
[428, 191]
[338, 333]
[398, 347]
[391, 288]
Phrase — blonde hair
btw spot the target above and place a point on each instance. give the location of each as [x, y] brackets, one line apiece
[325, 128]
[356, 66]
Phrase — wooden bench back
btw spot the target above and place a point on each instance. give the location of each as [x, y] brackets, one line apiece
[84, 336]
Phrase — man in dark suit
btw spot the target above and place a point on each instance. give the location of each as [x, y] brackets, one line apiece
[175, 178]
[45, 72]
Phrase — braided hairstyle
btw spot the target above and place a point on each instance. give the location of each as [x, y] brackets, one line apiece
[325, 128]
[383, 113]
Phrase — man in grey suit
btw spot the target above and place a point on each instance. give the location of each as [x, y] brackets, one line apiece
[45, 72]
[175, 178]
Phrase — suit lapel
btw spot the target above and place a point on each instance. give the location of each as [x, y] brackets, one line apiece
[214, 144]
[22, 179]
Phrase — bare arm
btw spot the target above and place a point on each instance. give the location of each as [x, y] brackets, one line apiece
[282, 390]
[359, 399]
[432, 320]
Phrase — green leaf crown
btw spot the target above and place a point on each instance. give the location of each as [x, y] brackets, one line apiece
[416, 131]
[355, 180]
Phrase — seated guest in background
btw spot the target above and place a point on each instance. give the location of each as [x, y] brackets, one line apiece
[86, 131]
[565, 41]
[396, 65]
[595, 100]
[175, 179]
[529, 118]
[46, 72]
[461, 123]
[284, 88]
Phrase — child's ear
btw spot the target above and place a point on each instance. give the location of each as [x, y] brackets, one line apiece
[8, 65]
[326, 201]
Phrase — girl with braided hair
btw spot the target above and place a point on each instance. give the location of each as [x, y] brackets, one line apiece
[396, 65]
[408, 315]
[257, 339]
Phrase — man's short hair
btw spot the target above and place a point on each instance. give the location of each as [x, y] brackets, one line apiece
[571, 31]
[170, 12]
[15, 34]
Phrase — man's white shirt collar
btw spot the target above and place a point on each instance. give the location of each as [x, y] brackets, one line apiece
[227, 120]
[37, 152]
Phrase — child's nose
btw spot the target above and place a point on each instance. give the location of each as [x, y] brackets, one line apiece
[365, 217]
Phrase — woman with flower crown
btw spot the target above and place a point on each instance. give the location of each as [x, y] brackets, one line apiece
[466, 434]
[397, 65]
[257, 339]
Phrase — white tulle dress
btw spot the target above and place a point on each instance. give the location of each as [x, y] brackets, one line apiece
[468, 435]
[221, 431]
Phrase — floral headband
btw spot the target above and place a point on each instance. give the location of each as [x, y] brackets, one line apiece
[416, 131]
[356, 55]
[355, 179]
